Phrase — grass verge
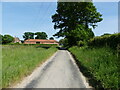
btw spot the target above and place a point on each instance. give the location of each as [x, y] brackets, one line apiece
[19, 61]
[99, 65]
[0, 66]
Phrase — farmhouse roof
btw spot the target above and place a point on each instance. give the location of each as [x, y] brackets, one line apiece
[40, 40]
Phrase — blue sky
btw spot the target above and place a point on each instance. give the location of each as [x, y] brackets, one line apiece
[20, 17]
[109, 10]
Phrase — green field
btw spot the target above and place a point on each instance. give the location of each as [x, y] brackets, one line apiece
[99, 65]
[18, 61]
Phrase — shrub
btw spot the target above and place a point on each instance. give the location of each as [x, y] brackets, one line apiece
[106, 40]
[1, 36]
[81, 43]
[7, 39]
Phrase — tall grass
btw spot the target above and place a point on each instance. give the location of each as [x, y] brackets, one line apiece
[19, 61]
[0, 66]
[101, 63]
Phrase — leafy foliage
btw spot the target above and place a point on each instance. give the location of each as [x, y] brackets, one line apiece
[64, 42]
[28, 35]
[68, 15]
[7, 39]
[41, 35]
[112, 41]
[51, 38]
[81, 43]
[106, 34]
[80, 34]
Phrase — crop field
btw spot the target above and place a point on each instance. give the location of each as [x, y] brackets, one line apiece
[100, 65]
[18, 61]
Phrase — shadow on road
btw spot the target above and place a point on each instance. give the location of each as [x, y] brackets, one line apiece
[62, 48]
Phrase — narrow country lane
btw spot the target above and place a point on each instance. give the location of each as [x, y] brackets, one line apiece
[60, 71]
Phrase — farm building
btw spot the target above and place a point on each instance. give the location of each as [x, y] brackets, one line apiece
[40, 41]
[16, 40]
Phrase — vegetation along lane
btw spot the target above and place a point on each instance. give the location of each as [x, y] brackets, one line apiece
[60, 71]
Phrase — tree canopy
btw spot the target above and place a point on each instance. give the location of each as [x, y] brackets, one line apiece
[7, 39]
[51, 38]
[80, 34]
[63, 42]
[71, 14]
[28, 35]
[41, 35]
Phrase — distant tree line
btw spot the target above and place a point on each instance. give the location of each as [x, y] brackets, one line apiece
[37, 35]
[6, 39]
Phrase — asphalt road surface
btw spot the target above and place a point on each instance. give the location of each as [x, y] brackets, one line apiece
[60, 71]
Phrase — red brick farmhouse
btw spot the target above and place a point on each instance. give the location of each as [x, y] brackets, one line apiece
[40, 41]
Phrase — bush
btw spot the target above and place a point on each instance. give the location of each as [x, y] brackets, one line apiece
[81, 43]
[1, 36]
[7, 39]
[106, 40]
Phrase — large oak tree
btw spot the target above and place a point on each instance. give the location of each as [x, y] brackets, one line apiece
[71, 14]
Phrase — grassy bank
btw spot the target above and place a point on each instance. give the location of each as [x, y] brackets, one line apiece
[19, 61]
[99, 65]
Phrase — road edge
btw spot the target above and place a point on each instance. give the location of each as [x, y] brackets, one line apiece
[82, 76]
[34, 74]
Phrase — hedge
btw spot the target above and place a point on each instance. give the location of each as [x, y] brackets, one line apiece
[112, 41]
